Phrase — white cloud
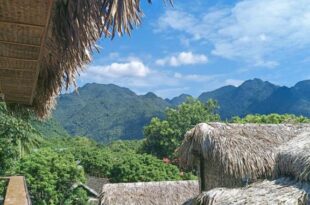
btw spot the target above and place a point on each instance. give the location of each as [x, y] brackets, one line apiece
[267, 64]
[137, 76]
[193, 77]
[233, 82]
[134, 68]
[183, 58]
[251, 30]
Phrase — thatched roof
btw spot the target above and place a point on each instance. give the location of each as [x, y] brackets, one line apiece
[45, 43]
[96, 183]
[240, 151]
[280, 191]
[149, 193]
[293, 158]
[89, 190]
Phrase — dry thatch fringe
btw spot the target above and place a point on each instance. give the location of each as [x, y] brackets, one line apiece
[74, 28]
[293, 158]
[149, 193]
[281, 191]
[240, 151]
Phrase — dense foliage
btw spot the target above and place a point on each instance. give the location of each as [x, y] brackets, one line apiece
[137, 167]
[121, 161]
[3, 186]
[51, 175]
[49, 127]
[271, 119]
[164, 136]
[17, 138]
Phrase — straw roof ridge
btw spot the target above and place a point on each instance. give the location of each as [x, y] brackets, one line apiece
[74, 28]
[293, 158]
[280, 191]
[149, 193]
[241, 150]
[87, 188]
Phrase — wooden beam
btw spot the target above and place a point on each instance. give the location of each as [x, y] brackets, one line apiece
[22, 24]
[16, 69]
[14, 74]
[12, 81]
[15, 58]
[18, 58]
[19, 51]
[24, 101]
[19, 44]
[43, 39]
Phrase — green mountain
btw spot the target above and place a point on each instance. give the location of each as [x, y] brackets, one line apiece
[261, 97]
[178, 100]
[108, 112]
[49, 128]
[294, 100]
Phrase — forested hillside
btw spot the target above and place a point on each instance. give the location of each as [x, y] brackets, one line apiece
[109, 112]
[261, 97]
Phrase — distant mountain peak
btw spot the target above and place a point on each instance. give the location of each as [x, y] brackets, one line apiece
[150, 95]
[179, 99]
[304, 83]
[254, 81]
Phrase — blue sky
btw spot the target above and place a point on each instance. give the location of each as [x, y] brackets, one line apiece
[201, 45]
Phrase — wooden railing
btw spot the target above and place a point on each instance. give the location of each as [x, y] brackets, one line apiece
[16, 191]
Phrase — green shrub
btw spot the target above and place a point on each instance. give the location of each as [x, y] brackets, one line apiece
[50, 176]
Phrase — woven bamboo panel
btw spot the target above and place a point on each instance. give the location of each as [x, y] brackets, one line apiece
[17, 94]
[19, 51]
[32, 12]
[19, 33]
[16, 99]
[21, 82]
[23, 24]
[16, 74]
[24, 89]
[17, 64]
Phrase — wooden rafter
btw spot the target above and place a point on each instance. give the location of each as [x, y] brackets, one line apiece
[20, 44]
[22, 24]
[43, 38]
[16, 58]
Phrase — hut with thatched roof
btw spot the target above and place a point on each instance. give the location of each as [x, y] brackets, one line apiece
[149, 193]
[249, 163]
[281, 191]
[45, 43]
[93, 187]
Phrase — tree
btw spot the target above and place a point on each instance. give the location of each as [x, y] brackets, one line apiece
[8, 156]
[17, 138]
[19, 132]
[271, 119]
[143, 168]
[164, 136]
[50, 176]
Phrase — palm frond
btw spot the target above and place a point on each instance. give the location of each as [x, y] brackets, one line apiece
[75, 27]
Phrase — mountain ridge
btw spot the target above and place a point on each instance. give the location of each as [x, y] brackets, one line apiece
[109, 112]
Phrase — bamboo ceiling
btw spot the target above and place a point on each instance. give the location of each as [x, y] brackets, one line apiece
[23, 27]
